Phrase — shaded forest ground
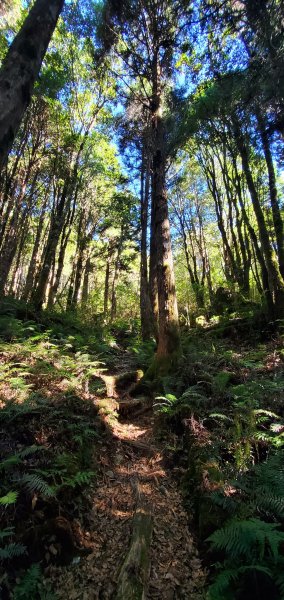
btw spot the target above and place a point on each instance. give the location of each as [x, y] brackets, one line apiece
[78, 450]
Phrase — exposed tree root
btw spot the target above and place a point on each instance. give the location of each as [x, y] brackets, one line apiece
[136, 444]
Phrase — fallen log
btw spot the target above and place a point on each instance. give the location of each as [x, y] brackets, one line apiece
[134, 574]
[127, 406]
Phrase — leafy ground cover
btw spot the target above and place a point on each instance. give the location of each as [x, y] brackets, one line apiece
[225, 409]
[76, 441]
[50, 430]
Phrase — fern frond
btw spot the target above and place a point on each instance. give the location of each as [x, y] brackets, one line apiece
[7, 532]
[248, 538]
[80, 479]
[34, 483]
[17, 458]
[9, 498]
[221, 588]
[226, 502]
[279, 580]
[27, 587]
[12, 550]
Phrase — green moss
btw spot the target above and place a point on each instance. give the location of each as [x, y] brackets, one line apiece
[162, 366]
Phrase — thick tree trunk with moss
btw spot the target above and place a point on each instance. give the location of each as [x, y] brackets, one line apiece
[21, 67]
[169, 339]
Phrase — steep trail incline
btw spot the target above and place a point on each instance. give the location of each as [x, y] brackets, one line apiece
[139, 529]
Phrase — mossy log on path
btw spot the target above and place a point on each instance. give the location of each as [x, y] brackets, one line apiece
[129, 405]
[134, 574]
[124, 380]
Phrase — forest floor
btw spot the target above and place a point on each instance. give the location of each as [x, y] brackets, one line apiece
[100, 486]
[131, 464]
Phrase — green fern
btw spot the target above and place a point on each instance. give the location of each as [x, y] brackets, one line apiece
[279, 580]
[27, 587]
[7, 532]
[80, 479]
[12, 550]
[250, 546]
[34, 483]
[16, 459]
[9, 498]
[223, 586]
[263, 486]
[248, 539]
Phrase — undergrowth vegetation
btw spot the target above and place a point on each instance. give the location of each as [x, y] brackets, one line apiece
[49, 429]
[224, 409]
[221, 417]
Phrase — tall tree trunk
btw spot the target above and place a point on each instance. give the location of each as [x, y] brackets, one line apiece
[107, 276]
[254, 241]
[153, 284]
[23, 237]
[146, 315]
[79, 271]
[276, 214]
[276, 283]
[115, 277]
[85, 286]
[60, 262]
[21, 67]
[35, 253]
[230, 268]
[242, 256]
[169, 339]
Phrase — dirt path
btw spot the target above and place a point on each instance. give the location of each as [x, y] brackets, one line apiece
[132, 457]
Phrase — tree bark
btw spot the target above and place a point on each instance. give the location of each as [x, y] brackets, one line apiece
[107, 276]
[21, 67]
[276, 282]
[147, 326]
[276, 214]
[153, 284]
[169, 339]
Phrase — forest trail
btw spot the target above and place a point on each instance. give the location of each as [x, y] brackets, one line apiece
[133, 482]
